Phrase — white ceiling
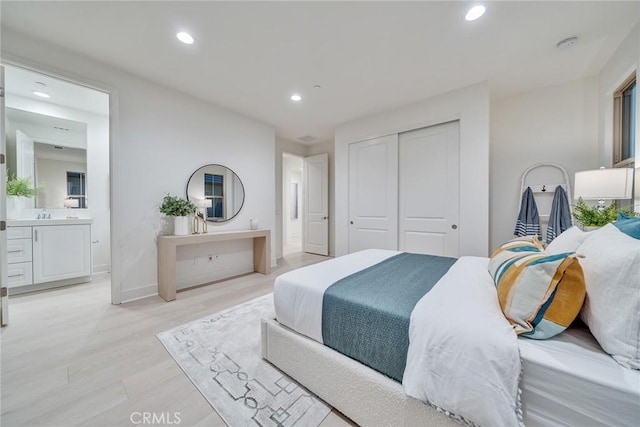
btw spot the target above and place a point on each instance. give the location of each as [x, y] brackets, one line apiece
[49, 122]
[367, 56]
[23, 82]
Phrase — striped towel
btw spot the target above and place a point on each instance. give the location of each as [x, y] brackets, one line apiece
[528, 223]
[560, 215]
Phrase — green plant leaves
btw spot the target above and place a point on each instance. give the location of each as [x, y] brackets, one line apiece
[22, 187]
[591, 216]
[176, 206]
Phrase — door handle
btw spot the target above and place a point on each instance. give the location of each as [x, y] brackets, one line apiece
[36, 237]
[454, 226]
[351, 222]
[325, 217]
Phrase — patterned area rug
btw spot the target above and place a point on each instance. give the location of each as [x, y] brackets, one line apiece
[221, 356]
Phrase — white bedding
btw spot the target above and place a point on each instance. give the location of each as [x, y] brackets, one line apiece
[297, 295]
[487, 397]
[567, 380]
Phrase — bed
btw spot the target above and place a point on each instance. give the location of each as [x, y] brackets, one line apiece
[566, 380]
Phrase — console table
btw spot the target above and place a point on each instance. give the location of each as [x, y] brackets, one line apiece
[167, 254]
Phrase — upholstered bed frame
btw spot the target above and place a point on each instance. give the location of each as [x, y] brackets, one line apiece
[362, 394]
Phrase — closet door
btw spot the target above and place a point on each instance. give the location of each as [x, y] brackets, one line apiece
[429, 190]
[373, 194]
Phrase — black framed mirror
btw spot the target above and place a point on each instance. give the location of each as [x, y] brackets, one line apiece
[217, 192]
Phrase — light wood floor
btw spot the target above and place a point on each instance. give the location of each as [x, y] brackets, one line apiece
[69, 357]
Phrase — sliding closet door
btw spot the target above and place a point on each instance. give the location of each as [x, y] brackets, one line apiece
[429, 190]
[373, 194]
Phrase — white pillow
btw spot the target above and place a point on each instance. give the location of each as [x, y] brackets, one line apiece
[612, 308]
[567, 241]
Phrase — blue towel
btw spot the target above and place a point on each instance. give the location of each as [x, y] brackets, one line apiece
[528, 223]
[560, 215]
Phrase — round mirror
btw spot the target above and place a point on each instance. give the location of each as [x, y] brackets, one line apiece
[217, 192]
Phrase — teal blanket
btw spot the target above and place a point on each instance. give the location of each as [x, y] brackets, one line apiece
[366, 315]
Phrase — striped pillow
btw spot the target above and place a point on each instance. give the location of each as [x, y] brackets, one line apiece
[540, 294]
[521, 244]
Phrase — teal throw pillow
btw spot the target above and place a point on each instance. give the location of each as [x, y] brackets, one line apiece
[629, 225]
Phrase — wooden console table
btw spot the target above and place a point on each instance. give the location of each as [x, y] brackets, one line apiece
[167, 254]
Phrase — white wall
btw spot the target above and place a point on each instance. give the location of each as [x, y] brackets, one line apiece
[159, 137]
[97, 142]
[470, 105]
[623, 63]
[556, 124]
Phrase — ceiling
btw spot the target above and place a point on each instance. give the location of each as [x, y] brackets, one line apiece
[367, 56]
[50, 122]
[23, 82]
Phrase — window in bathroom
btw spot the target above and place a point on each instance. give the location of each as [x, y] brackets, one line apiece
[76, 187]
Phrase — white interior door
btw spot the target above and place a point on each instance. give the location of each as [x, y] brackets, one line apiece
[429, 190]
[4, 298]
[26, 163]
[315, 236]
[373, 194]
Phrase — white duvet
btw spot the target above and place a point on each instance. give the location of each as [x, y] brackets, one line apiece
[463, 355]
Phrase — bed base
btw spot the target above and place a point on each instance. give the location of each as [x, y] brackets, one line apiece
[362, 394]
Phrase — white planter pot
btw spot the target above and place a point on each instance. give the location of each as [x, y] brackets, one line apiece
[15, 205]
[180, 225]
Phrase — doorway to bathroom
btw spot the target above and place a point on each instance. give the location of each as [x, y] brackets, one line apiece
[58, 149]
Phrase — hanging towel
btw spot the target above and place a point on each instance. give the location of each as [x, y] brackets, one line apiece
[560, 216]
[528, 223]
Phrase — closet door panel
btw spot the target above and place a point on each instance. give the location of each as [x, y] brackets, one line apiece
[428, 190]
[373, 194]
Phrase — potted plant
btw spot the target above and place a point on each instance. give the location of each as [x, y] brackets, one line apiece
[180, 209]
[17, 189]
[592, 217]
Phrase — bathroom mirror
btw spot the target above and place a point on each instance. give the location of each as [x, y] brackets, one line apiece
[52, 153]
[217, 192]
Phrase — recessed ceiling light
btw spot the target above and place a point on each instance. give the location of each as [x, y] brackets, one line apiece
[475, 12]
[41, 94]
[41, 83]
[317, 87]
[563, 44]
[296, 97]
[185, 37]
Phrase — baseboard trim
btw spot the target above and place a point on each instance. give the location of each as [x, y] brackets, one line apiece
[101, 268]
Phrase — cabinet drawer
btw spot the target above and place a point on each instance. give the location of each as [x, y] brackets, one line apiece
[18, 233]
[19, 274]
[19, 250]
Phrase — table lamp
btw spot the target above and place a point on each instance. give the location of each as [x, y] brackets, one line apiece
[604, 184]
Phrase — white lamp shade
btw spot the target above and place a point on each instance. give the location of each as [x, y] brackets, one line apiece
[600, 184]
[71, 203]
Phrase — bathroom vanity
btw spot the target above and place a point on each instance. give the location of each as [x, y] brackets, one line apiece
[44, 253]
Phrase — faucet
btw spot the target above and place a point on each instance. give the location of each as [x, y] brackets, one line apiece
[44, 214]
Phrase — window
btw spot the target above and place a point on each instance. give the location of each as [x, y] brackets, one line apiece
[624, 116]
[214, 190]
[624, 130]
[76, 187]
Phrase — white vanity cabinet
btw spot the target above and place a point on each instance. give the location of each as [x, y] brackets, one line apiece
[46, 251]
[61, 252]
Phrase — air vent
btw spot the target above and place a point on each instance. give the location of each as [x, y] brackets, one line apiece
[307, 139]
[60, 128]
[57, 147]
